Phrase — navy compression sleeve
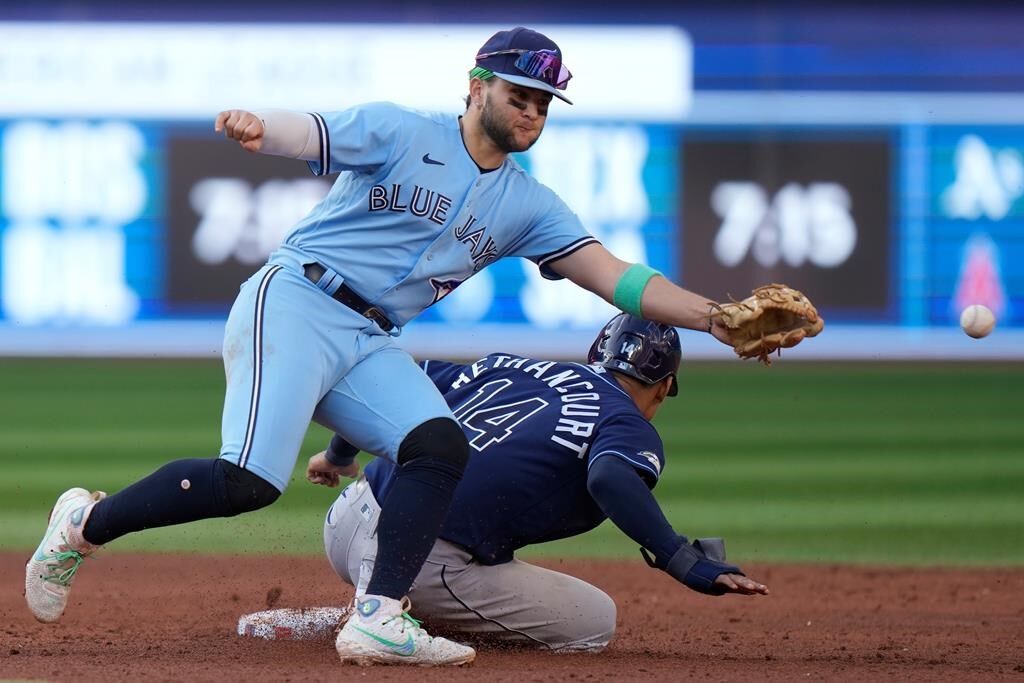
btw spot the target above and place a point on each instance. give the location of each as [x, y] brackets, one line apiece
[340, 453]
[622, 494]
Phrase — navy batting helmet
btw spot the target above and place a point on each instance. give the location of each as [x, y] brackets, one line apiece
[642, 349]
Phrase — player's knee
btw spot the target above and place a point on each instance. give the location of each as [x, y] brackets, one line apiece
[604, 622]
[594, 626]
[245, 490]
[439, 439]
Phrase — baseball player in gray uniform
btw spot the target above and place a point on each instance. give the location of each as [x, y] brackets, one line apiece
[558, 448]
[422, 201]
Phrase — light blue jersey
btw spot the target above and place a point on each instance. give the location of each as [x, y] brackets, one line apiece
[411, 216]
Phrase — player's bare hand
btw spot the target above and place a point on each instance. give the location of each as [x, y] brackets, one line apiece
[321, 471]
[720, 331]
[237, 124]
[737, 583]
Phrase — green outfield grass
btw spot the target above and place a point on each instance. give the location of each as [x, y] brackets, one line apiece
[880, 463]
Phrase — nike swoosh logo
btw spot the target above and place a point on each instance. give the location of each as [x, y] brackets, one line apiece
[41, 550]
[406, 649]
[432, 162]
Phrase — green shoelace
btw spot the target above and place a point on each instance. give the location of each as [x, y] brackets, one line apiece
[62, 557]
[405, 616]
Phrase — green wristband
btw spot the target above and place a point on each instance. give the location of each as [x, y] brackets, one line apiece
[630, 288]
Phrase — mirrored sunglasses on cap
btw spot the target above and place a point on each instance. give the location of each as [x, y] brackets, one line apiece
[544, 65]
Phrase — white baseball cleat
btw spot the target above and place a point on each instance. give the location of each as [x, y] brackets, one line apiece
[52, 568]
[380, 631]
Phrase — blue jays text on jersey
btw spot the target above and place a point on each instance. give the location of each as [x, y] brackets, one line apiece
[535, 428]
[411, 216]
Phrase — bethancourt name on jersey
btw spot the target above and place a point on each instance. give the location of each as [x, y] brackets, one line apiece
[578, 398]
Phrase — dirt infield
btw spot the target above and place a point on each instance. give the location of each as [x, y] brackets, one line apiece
[169, 617]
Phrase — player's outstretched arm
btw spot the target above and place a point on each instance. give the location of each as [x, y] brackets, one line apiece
[618, 489]
[271, 131]
[595, 268]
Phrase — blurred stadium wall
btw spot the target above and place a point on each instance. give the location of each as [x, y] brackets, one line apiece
[871, 156]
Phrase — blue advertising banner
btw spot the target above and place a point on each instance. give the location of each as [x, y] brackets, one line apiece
[879, 170]
[81, 221]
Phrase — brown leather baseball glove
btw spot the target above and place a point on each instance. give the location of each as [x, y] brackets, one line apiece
[774, 317]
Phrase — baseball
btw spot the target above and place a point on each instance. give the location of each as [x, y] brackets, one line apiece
[977, 321]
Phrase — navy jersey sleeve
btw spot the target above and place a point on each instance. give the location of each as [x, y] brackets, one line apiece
[629, 437]
[362, 138]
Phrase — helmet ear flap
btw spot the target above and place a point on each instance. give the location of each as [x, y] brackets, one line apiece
[600, 345]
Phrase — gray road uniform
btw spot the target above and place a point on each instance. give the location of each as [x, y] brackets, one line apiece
[552, 442]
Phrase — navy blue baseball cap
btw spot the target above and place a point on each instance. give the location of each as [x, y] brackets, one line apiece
[526, 58]
[643, 349]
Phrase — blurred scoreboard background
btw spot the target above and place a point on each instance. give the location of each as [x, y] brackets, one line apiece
[873, 158]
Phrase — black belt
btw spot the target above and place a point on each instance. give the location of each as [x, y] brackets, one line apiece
[344, 294]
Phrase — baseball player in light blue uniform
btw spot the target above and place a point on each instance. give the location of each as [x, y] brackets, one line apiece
[421, 202]
[441, 222]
